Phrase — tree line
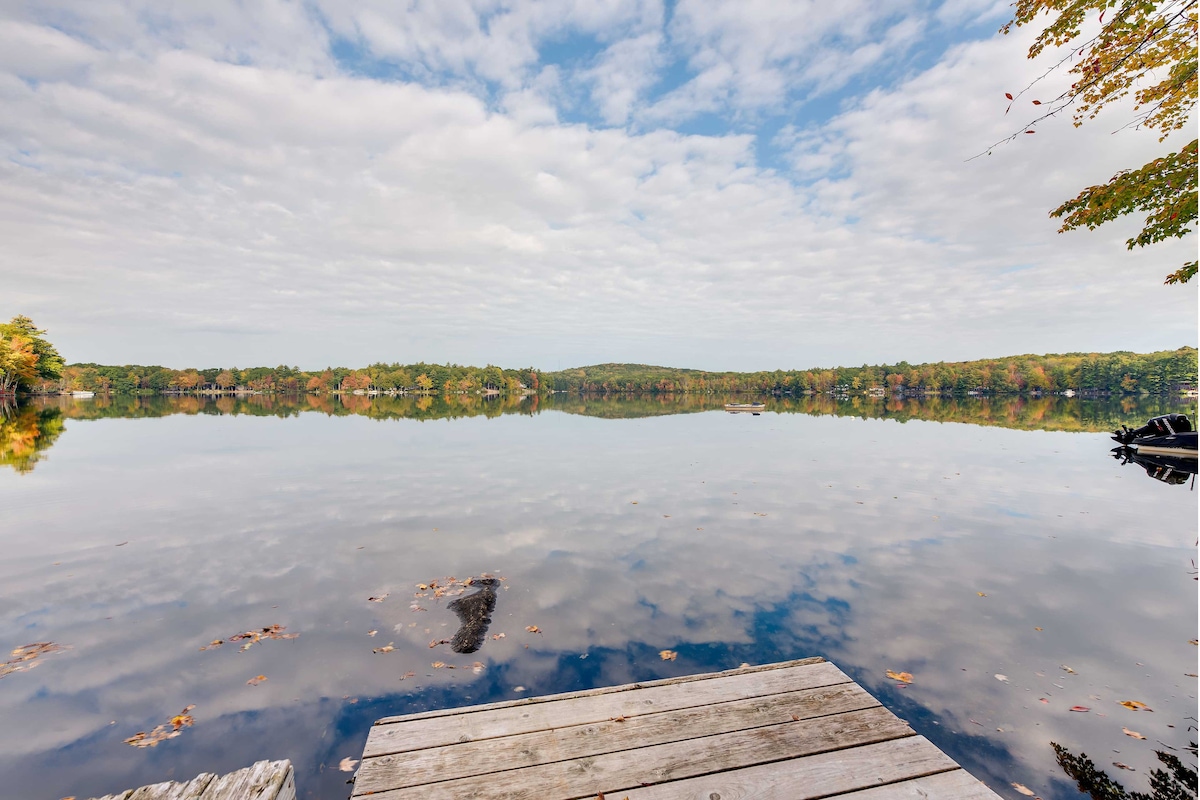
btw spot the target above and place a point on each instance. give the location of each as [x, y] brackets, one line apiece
[29, 363]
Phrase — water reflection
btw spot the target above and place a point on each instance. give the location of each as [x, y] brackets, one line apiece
[1168, 469]
[28, 430]
[953, 552]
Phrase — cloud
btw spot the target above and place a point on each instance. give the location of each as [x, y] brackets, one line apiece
[155, 187]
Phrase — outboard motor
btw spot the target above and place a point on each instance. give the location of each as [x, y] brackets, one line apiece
[1165, 425]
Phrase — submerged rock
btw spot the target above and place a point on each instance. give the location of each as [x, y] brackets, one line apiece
[475, 615]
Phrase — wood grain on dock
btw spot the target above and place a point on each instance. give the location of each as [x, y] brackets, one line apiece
[266, 780]
[794, 730]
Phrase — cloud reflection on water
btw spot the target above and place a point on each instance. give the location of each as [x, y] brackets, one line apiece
[752, 539]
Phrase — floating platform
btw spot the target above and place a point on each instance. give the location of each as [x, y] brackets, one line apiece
[266, 780]
[786, 731]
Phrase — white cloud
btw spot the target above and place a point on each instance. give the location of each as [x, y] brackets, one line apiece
[152, 195]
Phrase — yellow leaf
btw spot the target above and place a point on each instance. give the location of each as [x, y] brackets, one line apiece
[1023, 789]
[1134, 705]
[668, 655]
[1134, 734]
[904, 677]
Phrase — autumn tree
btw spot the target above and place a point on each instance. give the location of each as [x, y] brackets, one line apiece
[1143, 48]
[26, 356]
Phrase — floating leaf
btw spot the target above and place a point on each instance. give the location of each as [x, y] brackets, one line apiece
[1037, 629]
[168, 730]
[1080, 709]
[1022, 789]
[1119, 765]
[408, 675]
[256, 680]
[378, 599]
[497, 636]
[981, 594]
[347, 764]
[26, 657]
[1009, 96]
[436, 642]
[254, 637]
[1002, 678]
[1134, 734]
[668, 655]
[533, 629]
[372, 633]
[1067, 669]
[1134, 705]
[387, 648]
[905, 677]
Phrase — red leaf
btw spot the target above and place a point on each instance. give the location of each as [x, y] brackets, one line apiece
[1009, 96]
[1037, 102]
[1080, 708]
[1031, 131]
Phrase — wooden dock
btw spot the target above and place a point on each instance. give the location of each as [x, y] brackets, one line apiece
[797, 730]
[266, 780]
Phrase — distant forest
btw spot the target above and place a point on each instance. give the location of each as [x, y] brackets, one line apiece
[1158, 373]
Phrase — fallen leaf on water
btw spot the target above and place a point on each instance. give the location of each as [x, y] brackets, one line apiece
[1134, 734]
[408, 675]
[497, 636]
[436, 642]
[975, 722]
[372, 633]
[378, 599]
[533, 629]
[668, 655]
[1067, 669]
[438, 664]
[1000, 677]
[122, 544]
[478, 667]
[1021, 788]
[168, 730]
[905, 677]
[347, 764]
[1080, 708]
[24, 658]
[387, 648]
[253, 637]
[255, 681]
[1037, 629]
[981, 594]
[423, 586]
[1119, 765]
[1134, 705]
[1043, 700]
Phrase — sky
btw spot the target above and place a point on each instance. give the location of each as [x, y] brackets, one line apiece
[749, 185]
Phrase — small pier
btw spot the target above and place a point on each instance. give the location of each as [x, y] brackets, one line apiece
[795, 730]
[266, 780]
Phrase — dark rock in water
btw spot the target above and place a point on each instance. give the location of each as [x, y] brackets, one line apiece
[475, 613]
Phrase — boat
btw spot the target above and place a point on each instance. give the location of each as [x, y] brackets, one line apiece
[1168, 435]
[753, 408]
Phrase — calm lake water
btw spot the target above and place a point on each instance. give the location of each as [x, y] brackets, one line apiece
[995, 550]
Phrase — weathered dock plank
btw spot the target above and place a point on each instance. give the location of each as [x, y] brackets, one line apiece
[266, 780]
[396, 735]
[799, 729]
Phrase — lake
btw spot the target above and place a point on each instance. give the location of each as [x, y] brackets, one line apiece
[993, 549]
